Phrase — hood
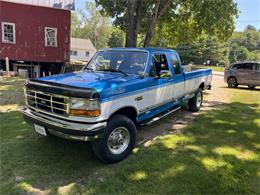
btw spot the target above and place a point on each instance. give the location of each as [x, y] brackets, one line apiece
[106, 83]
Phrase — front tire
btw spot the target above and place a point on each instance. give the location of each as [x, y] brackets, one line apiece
[195, 103]
[232, 82]
[118, 140]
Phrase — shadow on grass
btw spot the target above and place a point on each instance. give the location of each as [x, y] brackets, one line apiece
[242, 88]
[217, 153]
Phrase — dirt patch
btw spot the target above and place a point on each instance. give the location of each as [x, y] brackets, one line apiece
[219, 92]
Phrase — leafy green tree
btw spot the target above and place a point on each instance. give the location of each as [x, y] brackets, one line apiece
[203, 49]
[245, 45]
[251, 40]
[176, 16]
[117, 38]
[88, 23]
[254, 55]
[238, 53]
[75, 25]
[250, 27]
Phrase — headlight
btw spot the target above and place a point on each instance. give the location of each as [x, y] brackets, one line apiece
[85, 107]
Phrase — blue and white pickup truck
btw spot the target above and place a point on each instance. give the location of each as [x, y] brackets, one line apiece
[115, 91]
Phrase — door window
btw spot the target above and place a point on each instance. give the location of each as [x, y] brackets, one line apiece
[159, 65]
[235, 66]
[247, 66]
[175, 63]
[256, 66]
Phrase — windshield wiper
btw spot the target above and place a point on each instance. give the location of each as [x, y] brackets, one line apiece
[115, 70]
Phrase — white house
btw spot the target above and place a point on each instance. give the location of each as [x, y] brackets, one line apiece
[81, 49]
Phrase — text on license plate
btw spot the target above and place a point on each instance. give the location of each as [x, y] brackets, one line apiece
[40, 129]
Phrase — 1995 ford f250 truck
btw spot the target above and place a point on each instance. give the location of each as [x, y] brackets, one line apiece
[115, 91]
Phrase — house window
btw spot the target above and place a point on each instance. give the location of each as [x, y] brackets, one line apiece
[87, 53]
[50, 37]
[73, 52]
[8, 32]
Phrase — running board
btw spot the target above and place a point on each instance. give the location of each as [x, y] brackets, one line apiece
[159, 117]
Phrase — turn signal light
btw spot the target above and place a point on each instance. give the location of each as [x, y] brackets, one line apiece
[89, 113]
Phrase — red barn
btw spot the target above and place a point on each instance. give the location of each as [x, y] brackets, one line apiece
[35, 39]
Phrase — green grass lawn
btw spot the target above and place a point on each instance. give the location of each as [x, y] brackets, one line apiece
[214, 68]
[215, 154]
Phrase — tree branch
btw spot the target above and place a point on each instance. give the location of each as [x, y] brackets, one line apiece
[164, 8]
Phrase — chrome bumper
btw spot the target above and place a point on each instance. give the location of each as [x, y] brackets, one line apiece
[65, 129]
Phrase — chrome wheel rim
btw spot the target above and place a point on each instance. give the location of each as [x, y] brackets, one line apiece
[118, 140]
[199, 100]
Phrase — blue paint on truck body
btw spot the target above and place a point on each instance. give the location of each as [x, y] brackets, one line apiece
[111, 85]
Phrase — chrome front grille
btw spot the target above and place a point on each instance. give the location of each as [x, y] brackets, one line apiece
[52, 103]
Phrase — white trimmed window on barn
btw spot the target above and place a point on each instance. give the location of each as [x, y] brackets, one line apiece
[8, 32]
[87, 53]
[73, 52]
[50, 37]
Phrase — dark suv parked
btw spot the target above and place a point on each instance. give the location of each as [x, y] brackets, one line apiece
[243, 73]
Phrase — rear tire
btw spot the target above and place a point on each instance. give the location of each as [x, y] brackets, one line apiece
[251, 86]
[232, 82]
[118, 140]
[195, 103]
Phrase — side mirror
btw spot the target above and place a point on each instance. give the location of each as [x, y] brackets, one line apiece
[142, 74]
[165, 74]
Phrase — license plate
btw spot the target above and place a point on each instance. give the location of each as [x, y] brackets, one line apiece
[40, 129]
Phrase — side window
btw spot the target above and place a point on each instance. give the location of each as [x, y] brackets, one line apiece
[159, 64]
[235, 66]
[152, 72]
[175, 63]
[73, 52]
[8, 32]
[50, 37]
[256, 66]
[247, 66]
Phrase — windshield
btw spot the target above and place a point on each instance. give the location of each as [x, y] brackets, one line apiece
[132, 62]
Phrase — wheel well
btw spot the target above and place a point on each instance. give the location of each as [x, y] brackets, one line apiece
[231, 77]
[202, 85]
[130, 112]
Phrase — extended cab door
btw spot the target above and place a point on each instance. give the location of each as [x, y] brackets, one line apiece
[178, 79]
[159, 89]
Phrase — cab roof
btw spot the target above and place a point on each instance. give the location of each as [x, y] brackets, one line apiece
[146, 49]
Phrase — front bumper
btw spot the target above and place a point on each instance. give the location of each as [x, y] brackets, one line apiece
[65, 129]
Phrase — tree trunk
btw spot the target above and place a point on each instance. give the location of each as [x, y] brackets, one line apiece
[132, 22]
[130, 31]
[152, 23]
[137, 21]
[156, 14]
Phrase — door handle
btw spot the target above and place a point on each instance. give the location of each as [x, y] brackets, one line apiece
[139, 98]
